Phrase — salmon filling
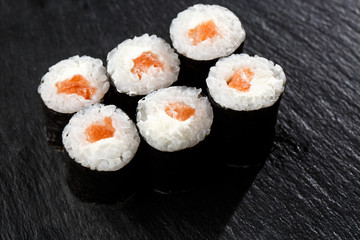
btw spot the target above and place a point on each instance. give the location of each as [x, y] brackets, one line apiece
[96, 131]
[144, 62]
[241, 80]
[78, 85]
[179, 111]
[203, 31]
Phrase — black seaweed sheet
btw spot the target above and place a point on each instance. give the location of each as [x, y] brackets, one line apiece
[244, 138]
[54, 125]
[105, 187]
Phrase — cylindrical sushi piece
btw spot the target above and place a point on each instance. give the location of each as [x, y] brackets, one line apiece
[142, 65]
[206, 32]
[174, 122]
[246, 93]
[103, 140]
[73, 84]
[101, 137]
[174, 118]
[244, 83]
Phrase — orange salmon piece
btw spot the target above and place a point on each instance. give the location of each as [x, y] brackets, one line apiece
[144, 62]
[96, 131]
[179, 111]
[78, 85]
[241, 80]
[203, 31]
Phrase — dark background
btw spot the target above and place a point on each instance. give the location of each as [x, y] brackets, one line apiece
[309, 186]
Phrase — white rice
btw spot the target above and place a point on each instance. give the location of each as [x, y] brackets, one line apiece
[91, 69]
[228, 24]
[267, 84]
[109, 154]
[169, 134]
[120, 62]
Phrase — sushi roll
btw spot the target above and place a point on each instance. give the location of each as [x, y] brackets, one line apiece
[244, 83]
[245, 91]
[206, 32]
[142, 65]
[101, 141]
[174, 118]
[101, 137]
[73, 84]
[174, 122]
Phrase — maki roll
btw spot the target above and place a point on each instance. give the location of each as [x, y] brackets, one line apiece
[103, 140]
[244, 83]
[206, 32]
[140, 66]
[246, 94]
[174, 122]
[67, 87]
[174, 118]
[101, 137]
[73, 84]
[143, 64]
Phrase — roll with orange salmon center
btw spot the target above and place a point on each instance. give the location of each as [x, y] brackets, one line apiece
[101, 137]
[244, 83]
[174, 118]
[206, 32]
[143, 64]
[73, 84]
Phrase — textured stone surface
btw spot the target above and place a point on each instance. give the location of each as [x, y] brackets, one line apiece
[309, 187]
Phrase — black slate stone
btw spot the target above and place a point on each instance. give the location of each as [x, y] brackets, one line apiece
[309, 185]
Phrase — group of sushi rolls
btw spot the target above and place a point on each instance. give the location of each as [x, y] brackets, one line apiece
[103, 138]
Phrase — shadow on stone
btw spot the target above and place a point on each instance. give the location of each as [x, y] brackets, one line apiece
[201, 214]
